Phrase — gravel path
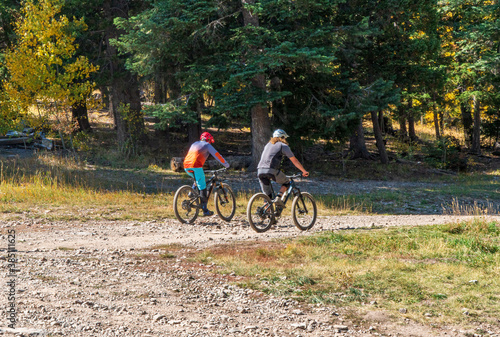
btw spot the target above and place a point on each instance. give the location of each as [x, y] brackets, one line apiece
[111, 279]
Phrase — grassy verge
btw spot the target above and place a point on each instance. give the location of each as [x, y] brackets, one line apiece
[437, 274]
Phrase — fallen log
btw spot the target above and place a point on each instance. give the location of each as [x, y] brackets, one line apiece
[14, 141]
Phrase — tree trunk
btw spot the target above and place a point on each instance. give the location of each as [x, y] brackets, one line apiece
[466, 121]
[277, 106]
[261, 131]
[194, 132]
[411, 128]
[357, 143]
[411, 123]
[261, 124]
[126, 107]
[160, 90]
[381, 122]
[403, 131]
[384, 159]
[80, 115]
[436, 123]
[476, 133]
[125, 100]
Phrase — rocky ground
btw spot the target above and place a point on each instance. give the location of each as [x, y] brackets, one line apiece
[115, 279]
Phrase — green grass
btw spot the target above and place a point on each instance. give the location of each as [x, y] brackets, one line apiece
[435, 272]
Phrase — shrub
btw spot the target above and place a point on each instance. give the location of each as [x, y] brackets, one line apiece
[446, 154]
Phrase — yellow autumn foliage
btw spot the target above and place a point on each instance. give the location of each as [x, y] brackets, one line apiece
[43, 69]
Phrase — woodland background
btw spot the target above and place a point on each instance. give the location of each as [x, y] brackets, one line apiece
[325, 71]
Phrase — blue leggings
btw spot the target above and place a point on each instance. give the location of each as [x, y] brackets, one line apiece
[199, 176]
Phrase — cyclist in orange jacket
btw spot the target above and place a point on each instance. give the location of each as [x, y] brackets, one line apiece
[194, 161]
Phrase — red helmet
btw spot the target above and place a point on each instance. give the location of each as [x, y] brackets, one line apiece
[207, 137]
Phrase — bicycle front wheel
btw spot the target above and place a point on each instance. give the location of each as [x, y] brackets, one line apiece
[225, 202]
[186, 204]
[304, 211]
[260, 212]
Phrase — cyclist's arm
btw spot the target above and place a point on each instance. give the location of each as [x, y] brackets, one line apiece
[218, 156]
[298, 165]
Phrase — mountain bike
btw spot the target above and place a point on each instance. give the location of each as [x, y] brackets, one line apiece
[187, 200]
[262, 212]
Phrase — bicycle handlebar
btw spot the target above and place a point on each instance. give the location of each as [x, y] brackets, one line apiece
[217, 171]
[297, 175]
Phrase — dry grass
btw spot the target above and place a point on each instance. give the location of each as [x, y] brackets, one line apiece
[61, 188]
[342, 205]
[475, 208]
[426, 132]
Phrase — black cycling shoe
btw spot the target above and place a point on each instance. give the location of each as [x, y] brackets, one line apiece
[207, 212]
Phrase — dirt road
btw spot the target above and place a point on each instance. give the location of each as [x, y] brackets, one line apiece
[115, 279]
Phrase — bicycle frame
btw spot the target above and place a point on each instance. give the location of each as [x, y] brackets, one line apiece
[292, 189]
[188, 201]
[212, 182]
[263, 211]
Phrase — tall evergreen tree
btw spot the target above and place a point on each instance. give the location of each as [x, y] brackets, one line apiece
[120, 88]
[219, 49]
[474, 25]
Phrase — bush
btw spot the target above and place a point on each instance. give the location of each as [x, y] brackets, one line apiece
[446, 154]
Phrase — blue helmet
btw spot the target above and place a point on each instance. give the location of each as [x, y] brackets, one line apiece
[279, 133]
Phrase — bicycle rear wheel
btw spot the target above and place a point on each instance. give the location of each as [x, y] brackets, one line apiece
[186, 204]
[225, 202]
[260, 212]
[304, 211]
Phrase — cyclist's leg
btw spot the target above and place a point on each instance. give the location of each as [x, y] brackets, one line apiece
[190, 173]
[265, 183]
[265, 177]
[199, 176]
[283, 181]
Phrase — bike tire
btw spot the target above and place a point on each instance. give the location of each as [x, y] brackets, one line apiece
[186, 208]
[302, 206]
[223, 198]
[260, 212]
